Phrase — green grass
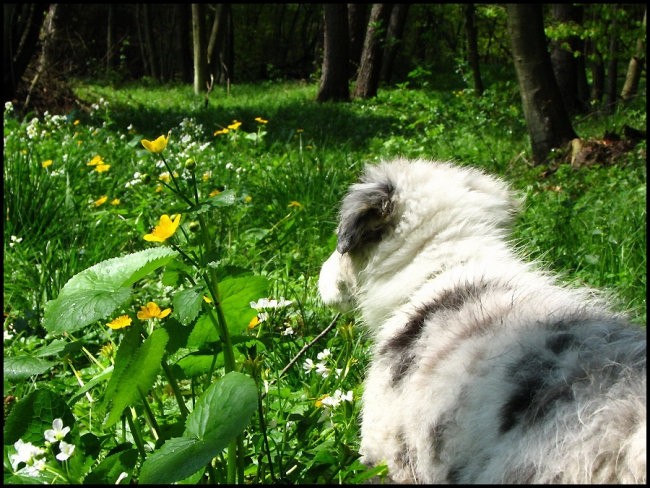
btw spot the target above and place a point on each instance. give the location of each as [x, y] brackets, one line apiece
[588, 224]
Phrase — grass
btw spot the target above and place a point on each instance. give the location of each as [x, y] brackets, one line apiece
[286, 176]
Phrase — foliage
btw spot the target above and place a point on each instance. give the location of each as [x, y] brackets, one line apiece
[198, 359]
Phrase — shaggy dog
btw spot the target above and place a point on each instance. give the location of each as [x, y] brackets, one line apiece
[484, 369]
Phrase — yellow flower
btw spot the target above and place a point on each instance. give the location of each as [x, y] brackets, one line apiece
[260, 120]
[207, 299]
[76, 122]
[214, 193]
[235, 125]
[254, 321]
[120, 322]
[222, 131]
[158, 145]
[115, 201]
[295, 204]
[248, 199]
[46, 163]
[164, 230]
[102, 168]
[97, 160]
[158, 188]
[166, 177]
[100, 201]
[152, 311]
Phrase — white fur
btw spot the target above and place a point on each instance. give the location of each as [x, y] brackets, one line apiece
[448, 403]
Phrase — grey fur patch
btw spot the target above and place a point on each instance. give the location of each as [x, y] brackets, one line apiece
[365, 215]
[401, 343]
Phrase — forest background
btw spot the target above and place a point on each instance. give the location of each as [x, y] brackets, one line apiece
[273, 109]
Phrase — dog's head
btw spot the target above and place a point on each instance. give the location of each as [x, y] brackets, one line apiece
[394, 221]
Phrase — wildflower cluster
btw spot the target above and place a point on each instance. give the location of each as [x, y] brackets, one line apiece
[30, 460]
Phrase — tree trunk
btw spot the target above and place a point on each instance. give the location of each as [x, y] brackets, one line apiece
[394, 36]
[548, 123]
[183, 41]
[46, 60]
[357, 13]
[612, 66]
[110, 36]
[369, 70]
[199, 48]
[633, 75]
[472, 47]
[334, 81]
[148, 39]
[22, 23]
[565, 63]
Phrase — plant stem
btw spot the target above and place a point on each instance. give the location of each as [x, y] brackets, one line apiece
[177, 392]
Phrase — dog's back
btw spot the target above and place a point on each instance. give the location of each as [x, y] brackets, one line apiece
[484, 369]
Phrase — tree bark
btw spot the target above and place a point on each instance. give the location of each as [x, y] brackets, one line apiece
[548, 123]
[357, 13]
[370, 68]
[22, 24]
[612, 66]
[199, 48]
[631, 85]
[565, 63]
[334, 80]
[394, 36]
[472, 47]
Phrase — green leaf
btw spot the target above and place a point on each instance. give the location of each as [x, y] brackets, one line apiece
[98, 291]
[20, 368]
[33, 415]
[187, 304]
[135, 371]
[223, 199]
[109, 470]
[236, 295]
[221, 413]
[203, 333]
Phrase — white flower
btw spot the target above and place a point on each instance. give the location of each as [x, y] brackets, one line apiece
[288, 331]
[57, 432]
[335, 400]
[122, 475]
[26, 452]
[324, 354]
[15, 240]
[263, 303]
[66, 451]
[308, 365]
[323, 370]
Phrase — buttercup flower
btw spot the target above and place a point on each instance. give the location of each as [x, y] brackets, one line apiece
[235, 125]
[57, 432]
[100, 201]
[158, 145]
[261, 120]
[96, 160]
[152, 311]
[115, 201]
[220, 132]
[120, 322]
[164, 230]
[294, 203]
[102, 168]
[46, 163]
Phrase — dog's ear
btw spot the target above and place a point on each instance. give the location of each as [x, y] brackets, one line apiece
[365, 214]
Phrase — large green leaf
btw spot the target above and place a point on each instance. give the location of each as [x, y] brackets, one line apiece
[112, 466]
[135, 371]
[33, 415]
[187, 304]
[98, 291]
[21, 367]
[236, 295]
[221, 413]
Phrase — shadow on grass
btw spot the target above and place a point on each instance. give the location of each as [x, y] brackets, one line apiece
[286, 108]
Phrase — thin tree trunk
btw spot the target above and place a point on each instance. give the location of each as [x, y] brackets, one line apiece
[148, 39]
[472, 47]
[110, 36]
[612, 67]
[334, 80]
[199, 48]
[356, 25]
[548, 123]
[369, 70]
[394, 36]
[631, 85]
[45, 63]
